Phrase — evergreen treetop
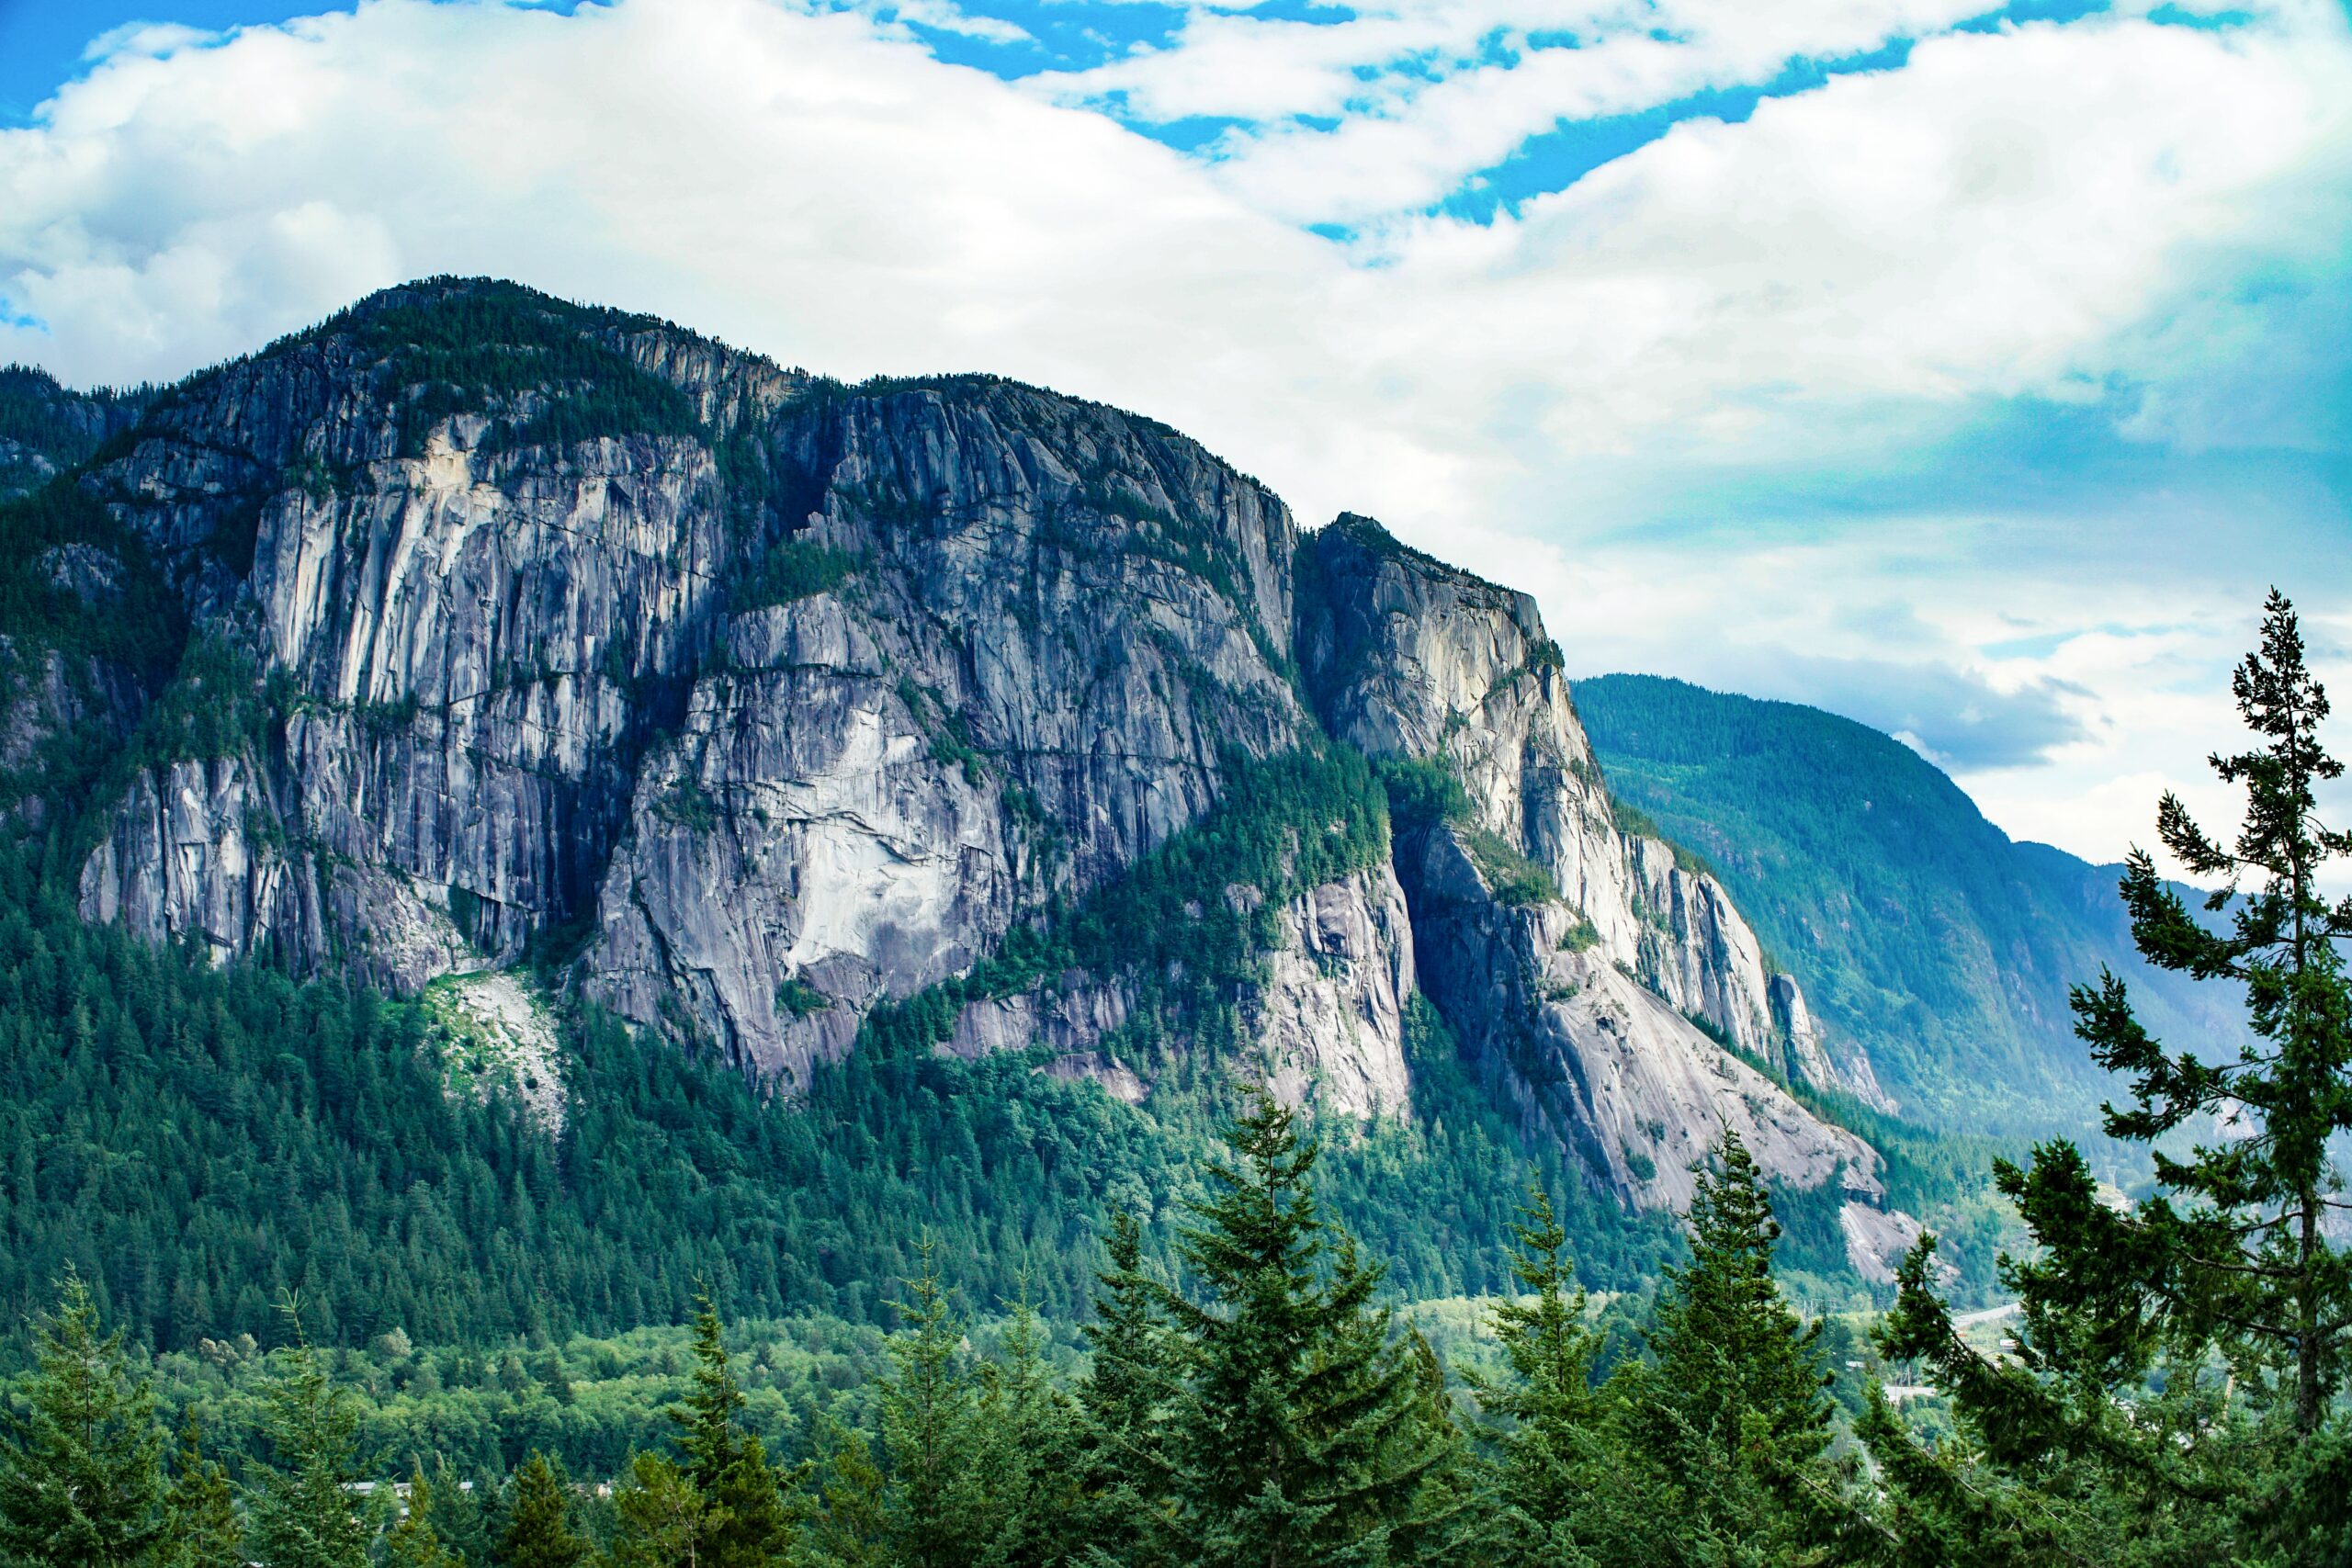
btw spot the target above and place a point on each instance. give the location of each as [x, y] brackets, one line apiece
[539, 1520]
[302, 1512]
[81, 1479]
[2174, 1393]
[1289, 1444]
[202, 1531]
[2235, 1248]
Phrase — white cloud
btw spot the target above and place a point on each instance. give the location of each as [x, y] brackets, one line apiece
[1844, 283]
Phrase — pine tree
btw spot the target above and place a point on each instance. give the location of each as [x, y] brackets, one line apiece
[1733, 1409]
[1123, 1399]
[2236, 1249]
[707, 1434]
[659, 1515]
[927, 1429]
[301, 1514]
[460, 1518]
[2026, 1478]
[750, 1523]
[1292, 1441]
[203, 1531]
[412, 1542]
[538, 1531]
[745, 1521]
[81, 1479]
[851, 1525]
[1028, 1454]
[2174, 1397]
[1551, 1443]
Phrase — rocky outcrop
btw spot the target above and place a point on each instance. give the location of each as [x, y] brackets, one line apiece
[1812, 1059]
[1324, 1024]
[1610, 988]
[754, 701]
[502, 1039]
[1329, 1018]
[1050, 626]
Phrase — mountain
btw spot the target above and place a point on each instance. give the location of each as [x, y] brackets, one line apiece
[45, 428]
[561, 672]
[1928, 938]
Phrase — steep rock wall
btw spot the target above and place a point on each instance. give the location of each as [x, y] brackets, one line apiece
[1618, 996]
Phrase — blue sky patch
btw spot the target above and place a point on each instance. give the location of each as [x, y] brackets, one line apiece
[1554, 160]
[1063, 35]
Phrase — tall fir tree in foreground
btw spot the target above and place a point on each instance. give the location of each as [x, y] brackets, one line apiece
[301, 1512]
[1126, 1399]
[1028, 1452]
[1295, 1441]
[928, 1431]
[202, 1529]
[746, 1522]
[539, 1532]
[2176, 1394]
[726, 1505]
[1553, 1463]
[412, 1541]
[81, 1476]
[1723, 1436]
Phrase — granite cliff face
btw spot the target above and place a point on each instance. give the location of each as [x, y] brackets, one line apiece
[1615, 993]
[743, 703]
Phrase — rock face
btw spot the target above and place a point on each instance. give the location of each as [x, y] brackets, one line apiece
[1615, 994]
[1809, 1055]
[751, 702]
[1051, 624]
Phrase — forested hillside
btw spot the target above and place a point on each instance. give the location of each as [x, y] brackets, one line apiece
[197, 1140]
[1922, 930]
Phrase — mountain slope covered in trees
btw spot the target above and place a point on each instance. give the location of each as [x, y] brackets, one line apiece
[1922, 930]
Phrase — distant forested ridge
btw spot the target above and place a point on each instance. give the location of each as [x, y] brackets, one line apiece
[1920, 928]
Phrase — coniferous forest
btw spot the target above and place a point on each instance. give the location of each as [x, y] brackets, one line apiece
[1236, 1383]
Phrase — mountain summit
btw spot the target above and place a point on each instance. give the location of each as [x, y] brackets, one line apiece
[473, 630]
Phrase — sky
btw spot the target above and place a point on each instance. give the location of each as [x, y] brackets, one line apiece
[1971, 371]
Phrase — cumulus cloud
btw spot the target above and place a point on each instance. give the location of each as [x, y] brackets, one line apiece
[1722, 403]
[1425, 94]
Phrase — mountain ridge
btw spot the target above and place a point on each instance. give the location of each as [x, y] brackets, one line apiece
[784, 718]
[1980, 1037]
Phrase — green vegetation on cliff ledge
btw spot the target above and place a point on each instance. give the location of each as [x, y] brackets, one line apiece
[552, 372]
[71, 579]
